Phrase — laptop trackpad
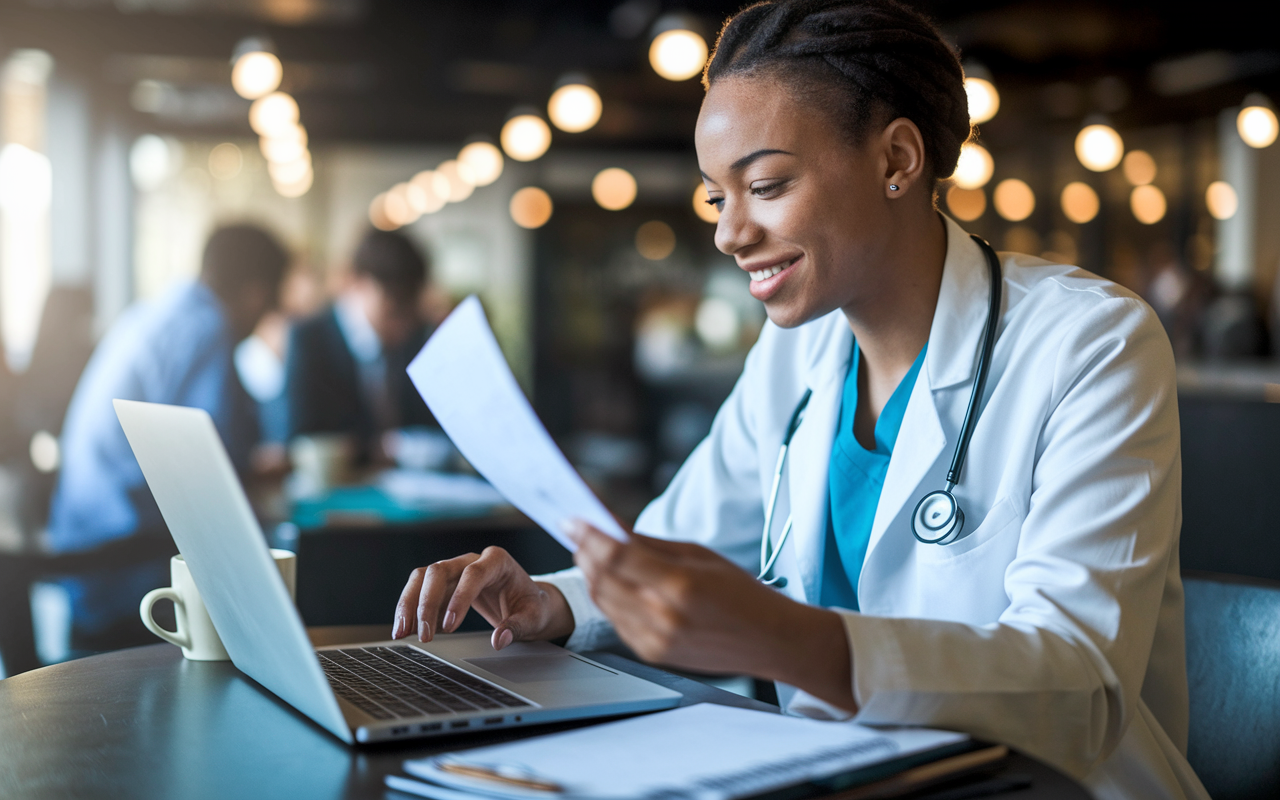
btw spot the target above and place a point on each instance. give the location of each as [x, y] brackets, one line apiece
[530, 669]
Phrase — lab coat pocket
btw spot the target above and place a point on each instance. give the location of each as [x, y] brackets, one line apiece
[1002, 518]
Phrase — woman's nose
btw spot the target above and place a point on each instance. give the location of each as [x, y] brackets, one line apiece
[735, 229]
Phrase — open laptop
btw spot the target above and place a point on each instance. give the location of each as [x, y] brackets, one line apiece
[360, 693]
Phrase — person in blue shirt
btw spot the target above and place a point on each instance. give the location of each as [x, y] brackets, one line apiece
[176, 349]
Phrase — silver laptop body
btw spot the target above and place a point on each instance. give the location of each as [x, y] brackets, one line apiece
[360, 693]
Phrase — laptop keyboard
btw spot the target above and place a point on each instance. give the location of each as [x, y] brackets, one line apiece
[399, 681]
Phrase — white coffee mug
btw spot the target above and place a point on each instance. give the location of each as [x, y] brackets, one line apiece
[195, 634]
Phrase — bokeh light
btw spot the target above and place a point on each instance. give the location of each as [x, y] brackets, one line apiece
[273, 114]
[1221, 199]
[984, 100]
[613, 188]
[1148, 204]
[484, 160]
[530, 207]
[1257, 126]
[678, 55]
[655, 240]
[705, 211]
[1080, 202]
[1014, 200]
[225, 161]
[287, 145]
[296, 188]
[974, 168]
[525, 137]
[1139, 167]
[256, 74]
[460, 178]
[378, 214]
[396, 206]
[718, 323]
[1099, 147]
[435, 190]
[966, 204]
[289, 171]
[574, 107]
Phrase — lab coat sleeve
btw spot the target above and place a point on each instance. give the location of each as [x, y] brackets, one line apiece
[1060, 673]
[713, 500]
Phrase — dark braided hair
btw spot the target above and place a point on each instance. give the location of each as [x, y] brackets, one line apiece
[880, 59]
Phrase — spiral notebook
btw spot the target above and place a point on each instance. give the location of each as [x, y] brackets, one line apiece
[701, 752]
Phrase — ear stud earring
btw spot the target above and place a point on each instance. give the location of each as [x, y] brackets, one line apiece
[893, 187]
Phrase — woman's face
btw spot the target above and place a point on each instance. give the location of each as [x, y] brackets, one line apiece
[802, 209]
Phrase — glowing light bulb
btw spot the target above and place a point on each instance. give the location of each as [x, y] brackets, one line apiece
[1148, 204]
[705, 211]
[289, 172]
[1221, 199]
[288, 145]
[273, 115]
[397, 208]
[966, 204]
[256, 74]
[1014, 200]
[974, 168]
[1099, 147]
[298, 187]
[574, 107]
[378, 214]
[1257, 126]
[678, 55]
[984, 100]
[613, 188]
[1080, 202]
[1139, 167]
[525, 137]
[530, 207]
[484, 160]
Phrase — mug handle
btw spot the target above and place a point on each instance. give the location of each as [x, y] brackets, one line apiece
[179, 637]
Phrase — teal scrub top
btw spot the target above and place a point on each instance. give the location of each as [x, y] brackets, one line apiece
[856, 478]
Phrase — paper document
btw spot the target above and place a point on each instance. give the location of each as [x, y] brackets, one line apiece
[702, 752]
[465, 381]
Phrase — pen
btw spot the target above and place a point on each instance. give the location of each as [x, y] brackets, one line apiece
[498, 776]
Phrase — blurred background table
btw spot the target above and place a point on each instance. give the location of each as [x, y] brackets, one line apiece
[145, 723]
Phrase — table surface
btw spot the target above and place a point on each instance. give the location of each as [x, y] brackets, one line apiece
[145, 723]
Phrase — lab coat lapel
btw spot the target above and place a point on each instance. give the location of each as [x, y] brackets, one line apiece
[810, 454]
[951, 359]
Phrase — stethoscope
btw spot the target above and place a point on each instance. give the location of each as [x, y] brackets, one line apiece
[938, 518]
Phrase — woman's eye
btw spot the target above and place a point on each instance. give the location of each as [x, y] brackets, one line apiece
[718, 202]
[762, 191]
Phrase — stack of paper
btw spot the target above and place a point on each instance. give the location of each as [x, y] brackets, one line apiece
[702, 752]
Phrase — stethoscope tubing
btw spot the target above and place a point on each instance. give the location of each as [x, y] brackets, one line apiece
[769, 555]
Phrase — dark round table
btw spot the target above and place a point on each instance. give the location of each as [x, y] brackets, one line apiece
[146, 723]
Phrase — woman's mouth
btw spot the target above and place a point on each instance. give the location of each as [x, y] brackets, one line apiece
[768, 272]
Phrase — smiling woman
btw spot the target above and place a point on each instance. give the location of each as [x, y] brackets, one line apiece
[1052, 618]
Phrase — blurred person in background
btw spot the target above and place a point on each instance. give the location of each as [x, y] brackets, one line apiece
[346, 365]
[175, 349]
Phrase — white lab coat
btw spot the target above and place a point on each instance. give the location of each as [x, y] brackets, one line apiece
[1056, 623]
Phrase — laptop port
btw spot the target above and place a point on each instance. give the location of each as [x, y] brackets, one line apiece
[432, 726]
[462, 723]
[400, 731]
[493, 721]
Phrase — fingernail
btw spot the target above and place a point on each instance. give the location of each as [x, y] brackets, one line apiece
[396, 630]
[424, 632]
[505, 638]
[573, 528]
[449, 617]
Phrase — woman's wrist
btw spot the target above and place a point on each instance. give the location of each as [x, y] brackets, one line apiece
[559, 622]
[811, 652]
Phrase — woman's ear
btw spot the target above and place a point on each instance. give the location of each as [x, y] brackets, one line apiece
[903, 150]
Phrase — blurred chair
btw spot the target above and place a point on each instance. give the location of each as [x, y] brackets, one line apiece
[1230, 477]
[1233, 672]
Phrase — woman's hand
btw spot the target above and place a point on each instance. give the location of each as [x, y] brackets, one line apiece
[682, 605]
[437, 597]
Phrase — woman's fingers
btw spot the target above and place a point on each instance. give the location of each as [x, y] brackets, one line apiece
[405, 621]
[437, 584]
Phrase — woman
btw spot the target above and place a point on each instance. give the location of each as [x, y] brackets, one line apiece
[1053, 622]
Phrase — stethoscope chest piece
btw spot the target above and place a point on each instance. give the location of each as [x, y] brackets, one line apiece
[938, 518]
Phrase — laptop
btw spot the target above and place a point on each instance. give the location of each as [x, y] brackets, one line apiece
[371, 692]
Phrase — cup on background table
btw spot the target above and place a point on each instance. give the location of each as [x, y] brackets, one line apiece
[321, 461]
[195, 634]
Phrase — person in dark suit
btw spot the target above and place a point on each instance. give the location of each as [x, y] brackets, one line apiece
[345, 371]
